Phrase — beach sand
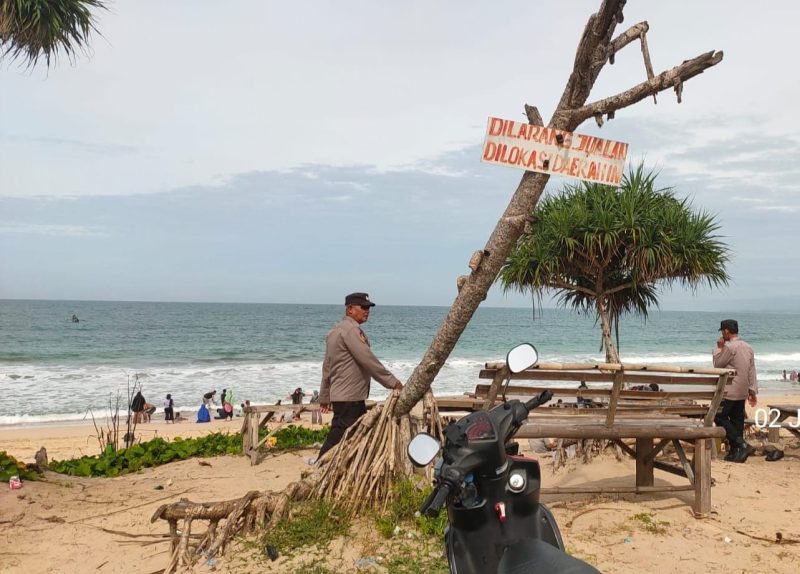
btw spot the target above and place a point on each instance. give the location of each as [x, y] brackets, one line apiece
[70, 525]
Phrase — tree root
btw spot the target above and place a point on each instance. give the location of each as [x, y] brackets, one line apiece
[356, 474]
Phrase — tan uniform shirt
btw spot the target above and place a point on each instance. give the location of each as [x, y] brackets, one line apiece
[349, 365]
[736, 354]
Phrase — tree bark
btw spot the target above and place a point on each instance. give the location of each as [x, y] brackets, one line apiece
[595, 49]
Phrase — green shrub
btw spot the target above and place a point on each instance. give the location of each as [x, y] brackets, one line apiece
[10, 466]
[158, 451]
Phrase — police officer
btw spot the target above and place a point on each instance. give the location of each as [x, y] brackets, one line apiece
[732, 352]
[347, 369]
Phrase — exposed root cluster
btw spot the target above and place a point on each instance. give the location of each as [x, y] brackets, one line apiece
[356, 474]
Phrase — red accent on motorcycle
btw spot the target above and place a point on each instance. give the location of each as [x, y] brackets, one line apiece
[500, 509]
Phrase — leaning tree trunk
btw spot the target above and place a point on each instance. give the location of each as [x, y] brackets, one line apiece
[374, 447]
[596, 48]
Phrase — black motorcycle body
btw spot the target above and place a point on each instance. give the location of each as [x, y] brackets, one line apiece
[496, 522]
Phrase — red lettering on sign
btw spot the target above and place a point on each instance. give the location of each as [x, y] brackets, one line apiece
[495, 126]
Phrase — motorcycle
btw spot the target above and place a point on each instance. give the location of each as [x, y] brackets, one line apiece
[496, 522]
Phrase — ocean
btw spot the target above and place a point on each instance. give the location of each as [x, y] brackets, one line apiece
[53, 369]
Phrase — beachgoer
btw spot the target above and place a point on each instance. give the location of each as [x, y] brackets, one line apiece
[137, 407]
[169, 404]
[784, 374]
[793, 376]
[208, 398]
[227, 405]
[581, 401]
[148, 412]
[221, 409]
[203, 416]
[732, 352]
[75, 318]
[347, 369]
[297, 396]
[316, 415]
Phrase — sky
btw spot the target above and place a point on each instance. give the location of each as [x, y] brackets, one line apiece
[293, 152]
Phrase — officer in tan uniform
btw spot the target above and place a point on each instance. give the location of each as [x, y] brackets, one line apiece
[733, 353]
[347, 369]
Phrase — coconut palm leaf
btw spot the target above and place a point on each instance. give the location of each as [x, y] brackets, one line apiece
[30, 29]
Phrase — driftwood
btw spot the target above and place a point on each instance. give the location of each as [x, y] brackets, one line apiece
[360, 471]
[357, 473]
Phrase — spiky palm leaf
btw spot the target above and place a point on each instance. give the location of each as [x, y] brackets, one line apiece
[605, 251]
[30, 29]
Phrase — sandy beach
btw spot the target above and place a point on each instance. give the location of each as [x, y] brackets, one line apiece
[97, 524]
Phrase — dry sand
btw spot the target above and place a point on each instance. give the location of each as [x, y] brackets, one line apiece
[75, 525]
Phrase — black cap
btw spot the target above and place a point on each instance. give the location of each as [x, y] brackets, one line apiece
[361, 299]
[730, 325]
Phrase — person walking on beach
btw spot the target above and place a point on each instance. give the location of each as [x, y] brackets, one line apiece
[732, 352]
[348, 366]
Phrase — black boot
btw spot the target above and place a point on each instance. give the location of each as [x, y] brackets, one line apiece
[742, 452]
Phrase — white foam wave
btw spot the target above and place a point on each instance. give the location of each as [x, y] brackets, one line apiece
[39, 394]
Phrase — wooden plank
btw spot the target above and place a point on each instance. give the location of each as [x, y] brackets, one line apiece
[612, 367]
[672, 469]
[657, 450]
[612, 404]
[625, 447]
[614, 489]
[617, 431]
[719, 394]
[598, 377]
[684, 462]
[481, 390]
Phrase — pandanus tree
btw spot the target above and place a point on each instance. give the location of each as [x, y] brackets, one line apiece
[606, 251]
[33, 29]
[360, 470]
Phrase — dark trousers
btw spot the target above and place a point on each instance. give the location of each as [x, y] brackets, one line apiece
[168, 415]
[345, 413]
[731, 417]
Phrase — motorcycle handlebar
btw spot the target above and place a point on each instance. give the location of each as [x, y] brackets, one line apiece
[439, 495]
[539, 400]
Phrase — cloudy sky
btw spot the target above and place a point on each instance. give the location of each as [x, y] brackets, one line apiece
[292, 152]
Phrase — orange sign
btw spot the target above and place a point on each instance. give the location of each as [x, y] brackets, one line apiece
[548, 150]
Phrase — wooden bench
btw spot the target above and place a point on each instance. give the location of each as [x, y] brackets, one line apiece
[257, 417]
[681, 411]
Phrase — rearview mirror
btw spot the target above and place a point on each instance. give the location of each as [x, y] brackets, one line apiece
[422, 449]
[521, 357]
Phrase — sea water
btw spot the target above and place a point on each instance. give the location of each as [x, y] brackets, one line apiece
[54, 369]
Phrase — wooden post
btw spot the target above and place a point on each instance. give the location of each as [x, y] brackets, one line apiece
[254, 426]
[612, 403]
[499, 376]
[644, 462]
[702, 478]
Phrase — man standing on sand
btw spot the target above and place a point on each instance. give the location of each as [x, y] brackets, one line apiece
[733, 353]
[347, 369]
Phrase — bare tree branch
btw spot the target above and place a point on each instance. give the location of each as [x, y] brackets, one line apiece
[673, 78]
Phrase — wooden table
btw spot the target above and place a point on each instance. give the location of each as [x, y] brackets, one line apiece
[783, 412]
